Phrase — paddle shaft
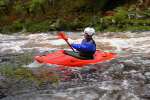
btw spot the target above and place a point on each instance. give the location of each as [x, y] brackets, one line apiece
[69, 45]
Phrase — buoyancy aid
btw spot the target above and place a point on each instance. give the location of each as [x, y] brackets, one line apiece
[86, 48]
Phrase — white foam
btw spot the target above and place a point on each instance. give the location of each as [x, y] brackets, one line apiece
[136, 43]
[34, 64]
[109, 86]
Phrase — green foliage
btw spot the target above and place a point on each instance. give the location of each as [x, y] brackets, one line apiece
[48, 75]
[120, 15]
[9, 71]
[81, 17]
[5, 17]
[7, 29]
[112, 28]
[2, 2]
[18, 24]
[13, 69]
[34, 13]
[79, 24]
[98, 4]
[136, 28]
[28, 21]
[18, 7]
[119, 8]
[105, 22]
[142, 13]
[39, 26]
[15, 73]
[38, 1]
[71, 26]
[124, 21]
[145, 8]
[97, 27]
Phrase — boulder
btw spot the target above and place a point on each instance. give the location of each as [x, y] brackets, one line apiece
[61, 24]
[140, 16]
[24, 29]
[131, 15]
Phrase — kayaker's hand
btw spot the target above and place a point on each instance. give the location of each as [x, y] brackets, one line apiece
[69, 45]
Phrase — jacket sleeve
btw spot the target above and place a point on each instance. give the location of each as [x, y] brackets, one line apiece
[83, 47]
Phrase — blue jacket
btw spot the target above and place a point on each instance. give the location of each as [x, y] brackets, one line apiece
[86, 47]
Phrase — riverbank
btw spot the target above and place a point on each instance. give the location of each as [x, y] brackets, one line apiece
[45, 16]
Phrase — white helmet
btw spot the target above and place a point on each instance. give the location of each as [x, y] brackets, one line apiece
[89, 31]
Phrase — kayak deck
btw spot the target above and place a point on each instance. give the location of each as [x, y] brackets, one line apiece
[77, 55]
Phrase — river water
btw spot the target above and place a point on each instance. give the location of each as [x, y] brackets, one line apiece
[124, 77]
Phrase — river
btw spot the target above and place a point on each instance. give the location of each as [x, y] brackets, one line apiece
[124, 77]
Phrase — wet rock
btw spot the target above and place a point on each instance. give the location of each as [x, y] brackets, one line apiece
[147, 74]
[61, 24]
[1, 35]
[24, 29]
[125, 84]
[148, 10]
[140, 77]
[131, 16]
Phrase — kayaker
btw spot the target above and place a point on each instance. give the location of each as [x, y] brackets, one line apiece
[87, 47]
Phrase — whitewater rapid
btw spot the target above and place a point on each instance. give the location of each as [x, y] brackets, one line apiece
[124, 77]
[110, 41]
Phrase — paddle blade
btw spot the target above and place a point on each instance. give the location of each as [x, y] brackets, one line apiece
[62, 36]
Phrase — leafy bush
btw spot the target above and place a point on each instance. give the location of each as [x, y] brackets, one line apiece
[38, 26]
[97, 27]
[79, 24]
[7, 29]
[119, 8]
[112, 28]
[15, 75]
[81, 17]
[17, 24]
[120, 15]
[71, 26]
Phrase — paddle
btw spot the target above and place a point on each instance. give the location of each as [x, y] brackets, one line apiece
[62, 36]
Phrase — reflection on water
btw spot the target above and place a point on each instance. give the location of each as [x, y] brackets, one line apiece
[124, 77]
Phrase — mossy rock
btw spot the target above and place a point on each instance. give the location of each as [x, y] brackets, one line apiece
[61, 24]
[105, 22]
[138, 15]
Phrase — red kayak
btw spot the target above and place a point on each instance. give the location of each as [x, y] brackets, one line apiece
[70, 58]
